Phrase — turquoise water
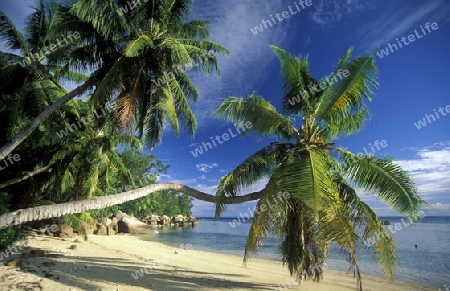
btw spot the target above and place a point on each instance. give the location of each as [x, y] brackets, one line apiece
[429, 264]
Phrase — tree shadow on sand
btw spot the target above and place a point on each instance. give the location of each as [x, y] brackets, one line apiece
[84, 272]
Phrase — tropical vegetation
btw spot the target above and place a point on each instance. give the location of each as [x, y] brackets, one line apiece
[136, 61]
[321, 177]
[114, 60]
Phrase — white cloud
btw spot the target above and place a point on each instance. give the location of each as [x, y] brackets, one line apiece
[438, 209]
[430, 170]
[162, 176]
[204, 167]
[194, 144]
[231, 28]
[187, 182]
[329, 12]
[387, 28]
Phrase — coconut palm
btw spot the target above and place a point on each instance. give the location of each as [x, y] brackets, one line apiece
[100, 202]
[126, 53]
[84, 165]
[30, 82]
[152, 44]
[311, 181]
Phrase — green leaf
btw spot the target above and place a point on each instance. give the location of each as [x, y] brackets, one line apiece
[264, 118]
[135, 47]
[258, 166]
[386, 179]
[351, 91]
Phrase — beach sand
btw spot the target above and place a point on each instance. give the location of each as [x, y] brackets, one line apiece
[108, 262]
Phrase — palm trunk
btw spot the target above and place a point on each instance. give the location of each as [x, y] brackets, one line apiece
[24, 177]
[24, 133]
[49, 211]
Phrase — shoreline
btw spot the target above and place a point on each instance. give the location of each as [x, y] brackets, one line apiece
[109, 263]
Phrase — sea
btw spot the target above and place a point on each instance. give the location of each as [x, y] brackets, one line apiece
[428, 264]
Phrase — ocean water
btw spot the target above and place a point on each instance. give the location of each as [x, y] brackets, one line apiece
[428, 264]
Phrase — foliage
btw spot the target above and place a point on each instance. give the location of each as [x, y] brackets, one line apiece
[9, 235]
[144, 170]
[322, 206]
[105, 212]
[77, 221]
[138, 58]
[135, 59]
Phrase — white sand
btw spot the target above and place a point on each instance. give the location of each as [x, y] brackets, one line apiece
[107, 263]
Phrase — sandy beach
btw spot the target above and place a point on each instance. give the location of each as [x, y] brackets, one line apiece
[110, 263]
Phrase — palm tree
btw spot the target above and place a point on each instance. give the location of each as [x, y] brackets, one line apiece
[84, 165]
[321, 205]
[145, 71]
[136, 59]
[31, 90]
[21, 216]
[126, 53]
[30, 82]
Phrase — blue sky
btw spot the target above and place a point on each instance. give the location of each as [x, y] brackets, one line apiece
[413, 82]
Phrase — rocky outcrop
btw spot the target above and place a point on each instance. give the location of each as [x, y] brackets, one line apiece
[101, 230]
[164, 220]
[130, 224]
[119, 223]
[88, 228]
[152, 220]
[61, 230]
[106, 226]
[114, 225]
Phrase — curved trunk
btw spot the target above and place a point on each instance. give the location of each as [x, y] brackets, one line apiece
[49, 211]
[24, 133]
[24, 177]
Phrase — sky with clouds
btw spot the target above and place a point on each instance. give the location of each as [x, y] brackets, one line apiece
[413, 83]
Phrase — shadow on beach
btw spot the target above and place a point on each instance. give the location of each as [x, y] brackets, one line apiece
[87, 273]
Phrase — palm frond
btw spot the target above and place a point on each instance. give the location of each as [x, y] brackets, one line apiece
[178, 9]
[10, 36]
[266, 219]
[264, 118]
[65, 74]
[36, 27]
[350, 92]
[255, 168]
[135, 47]
[154, 126]
[386, 179]
[348, 125]
[111, 82]
[300, 249]
[297, 81]
[98, 14]
[195, 29]
[304, 173]
[185, 116]
[369, 227]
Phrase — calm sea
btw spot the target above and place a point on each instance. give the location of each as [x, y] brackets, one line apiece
[428, 264]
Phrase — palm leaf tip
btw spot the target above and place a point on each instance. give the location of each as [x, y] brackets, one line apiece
[386, 179]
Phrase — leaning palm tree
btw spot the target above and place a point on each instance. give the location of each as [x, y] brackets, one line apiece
[149, 46]
[310, 188]
[126, 54]
[30, 82]
[84, 165]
